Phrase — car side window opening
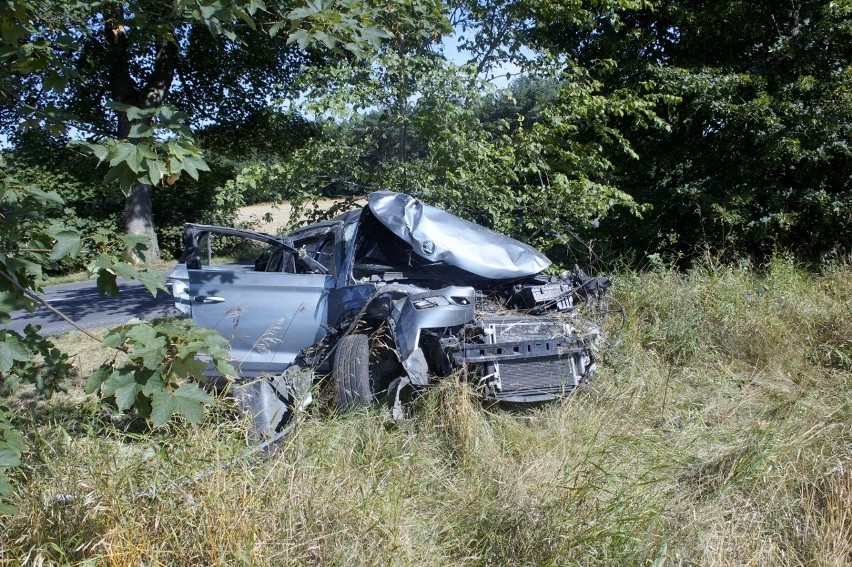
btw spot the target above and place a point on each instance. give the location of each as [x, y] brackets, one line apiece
[241, 252]
[318, 248]
[230, 251]
[205, 248]
[275, 259]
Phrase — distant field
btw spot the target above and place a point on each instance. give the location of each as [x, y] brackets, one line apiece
[255, 213]
[280, 213]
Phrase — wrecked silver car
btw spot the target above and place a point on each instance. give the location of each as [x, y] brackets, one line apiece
[387, 300]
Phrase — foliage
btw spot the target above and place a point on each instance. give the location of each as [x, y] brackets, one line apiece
[159, 359]
[541, 170]
[748, 146]
[143, 158]
[152, 71]
[11, 448]
[758, 154]
[156, 370]
[103, 72]
[249, 152]
[28, 239]
[95, 210]
[31, 238]
[567, 157]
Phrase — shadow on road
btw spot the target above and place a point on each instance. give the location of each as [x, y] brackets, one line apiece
[82, 303]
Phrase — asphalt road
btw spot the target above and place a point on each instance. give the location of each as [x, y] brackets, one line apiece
[82, 303]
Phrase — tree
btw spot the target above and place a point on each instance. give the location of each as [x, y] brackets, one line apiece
[127, 58]
[757, 96]
[571, 138]
[541, 170]
[209, 61]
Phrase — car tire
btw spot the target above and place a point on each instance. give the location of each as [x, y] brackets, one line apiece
[352, 376]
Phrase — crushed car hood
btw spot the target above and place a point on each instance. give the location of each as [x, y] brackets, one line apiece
[437, 235]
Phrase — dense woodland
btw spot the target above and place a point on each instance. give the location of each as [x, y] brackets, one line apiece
[631, 133]
[677, 129]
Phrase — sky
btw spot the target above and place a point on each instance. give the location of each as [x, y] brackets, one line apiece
[497, 77]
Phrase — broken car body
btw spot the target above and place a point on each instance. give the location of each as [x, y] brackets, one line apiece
[390, 297]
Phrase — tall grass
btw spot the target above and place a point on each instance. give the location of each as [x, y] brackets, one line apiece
[718, 432]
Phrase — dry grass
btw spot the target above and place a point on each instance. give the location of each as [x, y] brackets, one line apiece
[719, 432]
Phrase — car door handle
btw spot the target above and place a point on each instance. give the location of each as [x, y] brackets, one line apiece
[208, 299]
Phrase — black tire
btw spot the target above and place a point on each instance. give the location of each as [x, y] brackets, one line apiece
[352, 377]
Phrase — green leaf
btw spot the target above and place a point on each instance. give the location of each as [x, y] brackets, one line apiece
[101, 152]
[142, 333]
[96, 378]
[7, 509]
[9, 302]
[189, 367]
[156, 172]
[24, 265]
[192, 165]
[276, 27]
[125, 177]
[246, 18]
[141, 130]
[134, 160]
[136, 113]
[12, 383]
[68, 243]
[121, 152]
[186, 401]
[225, 368]
[115, 337]
[154, 383]
[107, 283]
[12, 349]
[299, 36]
[199, 163]
[301, 13]
[152, 280]
[119, 378]
[135, 242]
[5, 489]
[125, 395]
[9, 457]
[124, 270]
[45, 197]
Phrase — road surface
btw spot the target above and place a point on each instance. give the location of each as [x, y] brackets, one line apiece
[82, 303]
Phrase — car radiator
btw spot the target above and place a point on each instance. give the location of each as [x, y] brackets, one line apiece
[529, 359]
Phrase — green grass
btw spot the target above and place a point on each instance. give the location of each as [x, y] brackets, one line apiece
[718, 432]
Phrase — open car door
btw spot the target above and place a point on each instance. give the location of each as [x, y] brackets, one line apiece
[261, 293]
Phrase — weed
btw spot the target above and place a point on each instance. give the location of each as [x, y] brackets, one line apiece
[716, 433]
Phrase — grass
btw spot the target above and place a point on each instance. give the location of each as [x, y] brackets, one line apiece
[718, 432]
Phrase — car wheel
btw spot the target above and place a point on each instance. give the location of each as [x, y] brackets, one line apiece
[352, 371]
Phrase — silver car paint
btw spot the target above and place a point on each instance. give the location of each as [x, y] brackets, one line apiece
[266, 317]
[437, 235]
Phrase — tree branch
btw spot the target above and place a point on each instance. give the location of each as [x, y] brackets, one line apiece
[163, 74]
[122, 86]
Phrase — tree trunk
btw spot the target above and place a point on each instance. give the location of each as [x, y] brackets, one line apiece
[139, 217]
[138, 209]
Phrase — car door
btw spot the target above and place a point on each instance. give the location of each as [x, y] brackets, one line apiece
[261, 293]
